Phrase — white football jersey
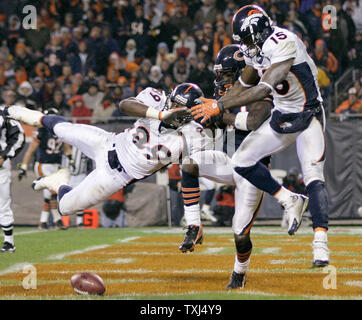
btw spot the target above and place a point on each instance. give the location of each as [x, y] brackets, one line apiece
[300, 88]
[148, 146]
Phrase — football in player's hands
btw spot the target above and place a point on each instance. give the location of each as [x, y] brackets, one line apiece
[88, 283]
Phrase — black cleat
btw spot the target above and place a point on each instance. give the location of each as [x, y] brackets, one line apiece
[43, 226]
[320, 263]
[237, 281]
[60, 226]
[8, 247]
[194, 235]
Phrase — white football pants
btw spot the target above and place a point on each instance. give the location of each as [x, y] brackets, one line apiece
[103, 181]
[6, 214]
[265, 141]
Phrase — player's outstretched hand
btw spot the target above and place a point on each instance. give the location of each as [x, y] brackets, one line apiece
[176, 117]
[22, 167]
[206, 110]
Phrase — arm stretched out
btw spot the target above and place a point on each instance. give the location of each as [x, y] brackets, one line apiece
[271, 78]
[240, 96]
[174, 117]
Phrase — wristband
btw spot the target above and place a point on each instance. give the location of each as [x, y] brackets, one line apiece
[221, 106]
[241, 121]
[244, 84]
[267, 84]
[153, 114]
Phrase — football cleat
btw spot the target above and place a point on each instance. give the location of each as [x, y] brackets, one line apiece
[8, 247]
[194, 235]
[294, 208]
[53, 181]
[25, 115]
[237, 281]
[320, 249]
[60, 225]
[43, 226]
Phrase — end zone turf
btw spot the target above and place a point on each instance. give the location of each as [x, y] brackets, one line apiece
[145, 263]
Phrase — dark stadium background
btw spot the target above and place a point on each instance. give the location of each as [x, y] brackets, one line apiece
[102, 51]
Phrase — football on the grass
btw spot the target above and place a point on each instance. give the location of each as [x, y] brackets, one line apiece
[88, 283]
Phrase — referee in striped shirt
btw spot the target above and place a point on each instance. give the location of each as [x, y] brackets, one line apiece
[12, 140]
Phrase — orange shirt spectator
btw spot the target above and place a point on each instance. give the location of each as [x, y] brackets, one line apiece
[324, 58]
[352, 104]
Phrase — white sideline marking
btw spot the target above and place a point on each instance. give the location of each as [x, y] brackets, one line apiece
[127, 239]
[278, 261]
[271, 250]
[120, 260]
[62, 255]
[211, 250]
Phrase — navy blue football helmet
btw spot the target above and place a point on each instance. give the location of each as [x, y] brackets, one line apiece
[185, 94]
[228, 65]
[251, 27]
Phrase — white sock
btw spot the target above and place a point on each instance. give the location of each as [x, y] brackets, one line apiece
[192, 215]
[321, 235]
[9, 239]
[241, 267]
[283, 194]
[44, 216]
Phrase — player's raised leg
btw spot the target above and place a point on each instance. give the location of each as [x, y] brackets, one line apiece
[310, 148]
[257, 145]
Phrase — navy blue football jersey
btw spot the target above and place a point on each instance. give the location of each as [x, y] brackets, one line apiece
[50, 149]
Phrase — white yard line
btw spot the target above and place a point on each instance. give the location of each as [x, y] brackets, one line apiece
[15, 268]
[60, 256]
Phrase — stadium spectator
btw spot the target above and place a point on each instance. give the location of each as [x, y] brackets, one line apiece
[179, 19]
[9, 97]
[93, 97]
[324, 58]
[181, 69]
[59, 104]
[25, 96]
[80, 110]
[81, 62]
[155, 76]
[351, 105]
[166, 32]
[221, 39]
[104, 110]
[185, 45]
[207, 13]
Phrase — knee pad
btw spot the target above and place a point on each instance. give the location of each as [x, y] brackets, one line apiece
[313, 172]
[242, 242]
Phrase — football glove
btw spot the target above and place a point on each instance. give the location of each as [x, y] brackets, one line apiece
[176, 117]
[210, 108]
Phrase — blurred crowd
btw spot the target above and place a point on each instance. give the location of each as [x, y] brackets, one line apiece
[87, 55]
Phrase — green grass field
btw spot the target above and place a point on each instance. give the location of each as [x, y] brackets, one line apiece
[145, 263]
